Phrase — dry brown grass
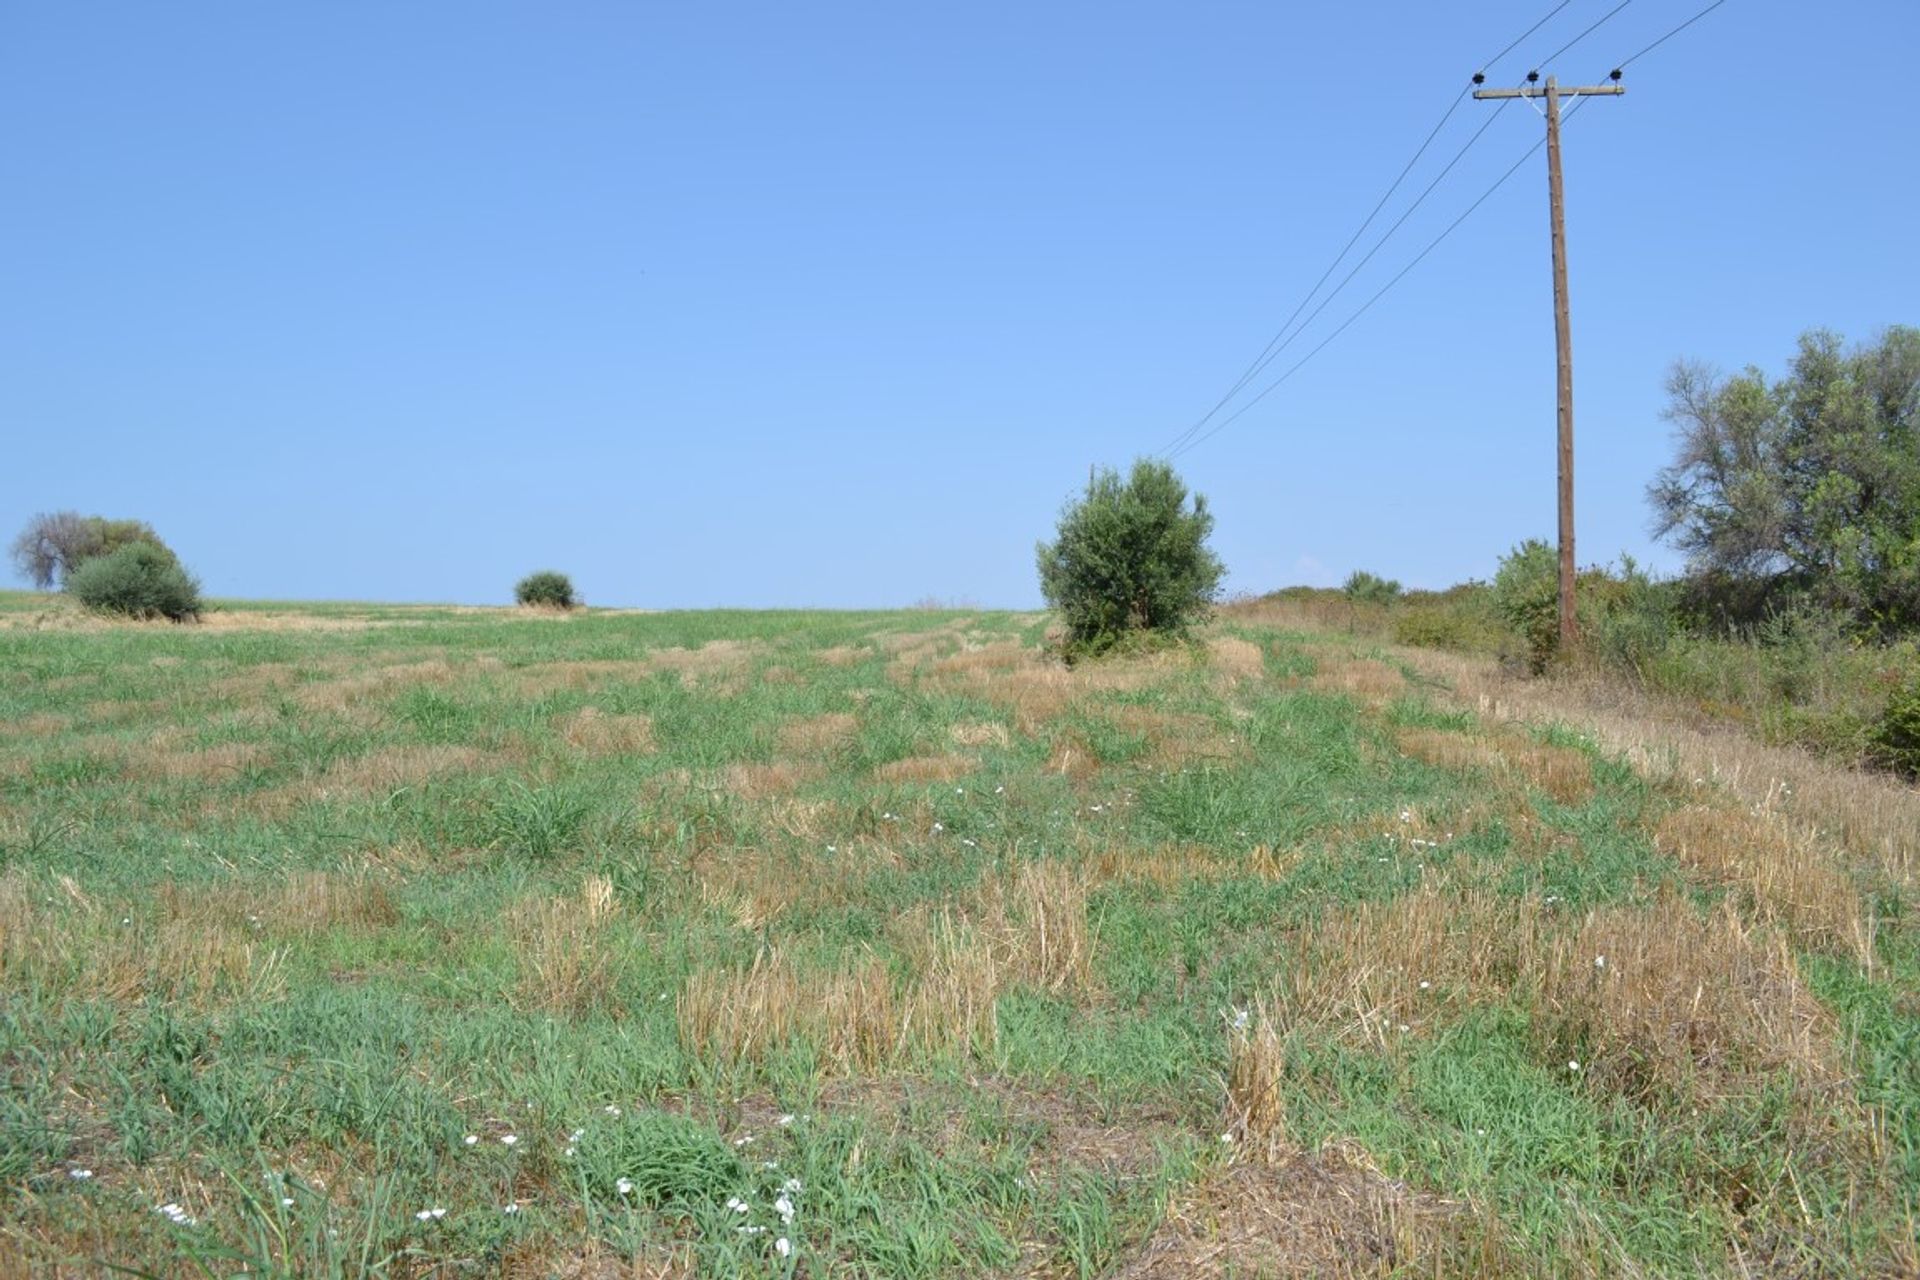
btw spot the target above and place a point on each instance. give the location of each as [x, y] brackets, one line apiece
[1027, 928]
[158, 760]
[1564, 773]
[819, 735]
[1256, 1082]
[1332, 1213]
[1177, 739]
[1871, 817]
[754, 782]
[1039, 914]
[597, 733]
[568, 963]
[1690, 1007]
[57, 939]
[389, 768]
[1369, 680]
[1659, 1003]
[543, 678]
[1071, 757]
[949, 767]
[842, 655]
[979, 733]
[849, 1015]
[1785, 876]
[41, 724]
[1032, 687]
[1236, 659]
[362, 687]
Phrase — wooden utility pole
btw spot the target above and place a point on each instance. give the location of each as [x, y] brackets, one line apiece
[1562, 321]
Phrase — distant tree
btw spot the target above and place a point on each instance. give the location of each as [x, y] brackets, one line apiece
[1131, 556]
[546, 589]
[1370, 588]
[138, 580]
[1811, 483]
[56, 543]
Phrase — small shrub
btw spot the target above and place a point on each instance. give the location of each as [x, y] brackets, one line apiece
[140, 580]
[546, 589]
[1370, 588]
[1439, 627]
[1896, 736]
[1526, 592]
[1131, 558]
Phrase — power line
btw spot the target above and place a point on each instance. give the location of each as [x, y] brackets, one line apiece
[1252, 371]
[1368, 304]
[1268, 353]
[1600, 22]
[1273, 352]
[1671, 34]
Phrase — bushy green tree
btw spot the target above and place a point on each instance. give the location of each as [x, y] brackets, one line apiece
[56, 543]
[546, 589]
[1370, 588]
[1131, 556]
[1809, 485]
[140, 580]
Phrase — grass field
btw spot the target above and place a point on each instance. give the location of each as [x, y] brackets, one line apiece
[356, 940]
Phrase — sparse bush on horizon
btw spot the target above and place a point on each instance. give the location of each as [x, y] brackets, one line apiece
[1130, 559]
[1370, 587]
[140, 580]
[546, 589]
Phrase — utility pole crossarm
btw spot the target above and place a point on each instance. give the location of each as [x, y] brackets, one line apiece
[1538, 91]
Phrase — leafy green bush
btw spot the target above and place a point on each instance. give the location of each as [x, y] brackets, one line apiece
[140, 580]
[546, 589]
[1896, 737]
[1526, 593]
[1440, 626]
[1370, 588]
[1131, 559]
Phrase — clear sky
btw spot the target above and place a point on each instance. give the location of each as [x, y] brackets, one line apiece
[827, 304]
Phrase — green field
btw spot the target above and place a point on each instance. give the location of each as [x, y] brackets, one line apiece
[361, 940]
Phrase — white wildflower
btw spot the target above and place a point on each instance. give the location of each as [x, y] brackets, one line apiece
[786, 1120]
[508, 1139]
[1599, 962]
[784, 1207]
[783, 1247]
[471, 1139]
[624, 1186]
[1573, 1064]
[79, 1175]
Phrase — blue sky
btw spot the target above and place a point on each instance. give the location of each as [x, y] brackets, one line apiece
[772, 304]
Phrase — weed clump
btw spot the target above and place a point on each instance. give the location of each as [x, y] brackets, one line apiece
[546, 589]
